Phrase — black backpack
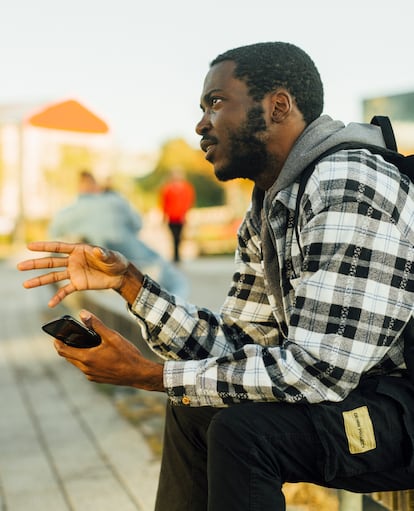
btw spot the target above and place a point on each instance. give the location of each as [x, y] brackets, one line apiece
[405, 164]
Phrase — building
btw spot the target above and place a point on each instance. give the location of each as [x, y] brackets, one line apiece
[31, 141]
[400, 109]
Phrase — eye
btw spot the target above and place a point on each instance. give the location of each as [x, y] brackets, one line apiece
[211, 103]
[214, 101]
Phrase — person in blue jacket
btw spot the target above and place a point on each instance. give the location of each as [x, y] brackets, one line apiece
[105, 218]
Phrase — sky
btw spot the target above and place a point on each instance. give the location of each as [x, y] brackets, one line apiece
[140, 65]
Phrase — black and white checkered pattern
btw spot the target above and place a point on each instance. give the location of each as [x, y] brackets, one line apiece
[294, 329]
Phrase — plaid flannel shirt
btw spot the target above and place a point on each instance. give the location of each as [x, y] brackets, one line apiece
[296, 328]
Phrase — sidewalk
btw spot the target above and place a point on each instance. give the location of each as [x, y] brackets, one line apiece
[63, 443]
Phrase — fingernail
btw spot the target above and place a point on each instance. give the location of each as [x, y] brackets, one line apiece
[85, 315]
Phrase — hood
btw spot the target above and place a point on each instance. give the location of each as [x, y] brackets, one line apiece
[318, 137]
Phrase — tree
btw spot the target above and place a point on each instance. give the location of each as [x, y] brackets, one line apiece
[178, 153]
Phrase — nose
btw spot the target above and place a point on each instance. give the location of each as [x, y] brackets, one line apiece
[203, 125]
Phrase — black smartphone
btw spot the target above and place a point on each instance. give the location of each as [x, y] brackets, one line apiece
[72, 332]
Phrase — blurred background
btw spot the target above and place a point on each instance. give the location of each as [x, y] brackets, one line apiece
[113, 87]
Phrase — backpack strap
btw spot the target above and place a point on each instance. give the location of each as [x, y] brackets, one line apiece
[404, 163]
[408, 334]
[387, 132]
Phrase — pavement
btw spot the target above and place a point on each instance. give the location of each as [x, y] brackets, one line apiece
[64, 443]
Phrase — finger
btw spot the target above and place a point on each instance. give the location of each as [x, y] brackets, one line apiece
[29, 264]
[51, 246]
[61, 294]
[65, 351]
[48, 278]
[72, 354]
[93, 322]
[42, 263]
[108, 335]
[59, 346]
[75, 357]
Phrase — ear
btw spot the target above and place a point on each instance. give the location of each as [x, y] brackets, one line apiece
[282, 103]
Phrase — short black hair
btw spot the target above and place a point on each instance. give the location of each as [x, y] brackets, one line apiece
[266, 66]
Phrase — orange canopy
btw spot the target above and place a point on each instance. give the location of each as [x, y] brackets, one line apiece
[69, 116]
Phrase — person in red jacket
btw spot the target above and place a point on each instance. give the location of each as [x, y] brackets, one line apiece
[177, 197]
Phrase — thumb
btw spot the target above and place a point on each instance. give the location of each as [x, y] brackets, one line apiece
[111, 257]
[101, 253]
[93, 322]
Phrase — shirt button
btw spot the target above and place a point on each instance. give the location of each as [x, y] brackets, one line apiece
[186, 400]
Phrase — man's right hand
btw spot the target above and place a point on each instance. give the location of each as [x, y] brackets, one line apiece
[84, 267]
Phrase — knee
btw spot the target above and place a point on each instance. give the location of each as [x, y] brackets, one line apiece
[229, 427]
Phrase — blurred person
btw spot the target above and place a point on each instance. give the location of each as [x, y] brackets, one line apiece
[106, 219]
[301, 375]
[177, 197]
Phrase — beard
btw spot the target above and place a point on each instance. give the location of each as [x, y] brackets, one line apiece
[248, 156]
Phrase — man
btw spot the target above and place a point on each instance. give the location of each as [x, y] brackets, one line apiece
[299, 376]
[177, 197]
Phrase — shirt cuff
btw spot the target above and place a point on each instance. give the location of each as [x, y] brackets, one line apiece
[186, 387]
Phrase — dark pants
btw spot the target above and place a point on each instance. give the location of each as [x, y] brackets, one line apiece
[176, 229]
[237, 458]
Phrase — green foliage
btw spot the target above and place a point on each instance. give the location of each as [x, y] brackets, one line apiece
[208, 192]
[177, 153]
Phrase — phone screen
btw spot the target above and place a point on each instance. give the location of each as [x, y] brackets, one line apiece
[72, 332]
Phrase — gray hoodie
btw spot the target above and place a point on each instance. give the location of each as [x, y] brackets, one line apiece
[318, 137]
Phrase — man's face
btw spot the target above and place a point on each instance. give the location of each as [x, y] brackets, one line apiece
[233, 127]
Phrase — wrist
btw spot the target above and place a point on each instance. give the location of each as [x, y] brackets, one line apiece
[154, 378]
[131, 284]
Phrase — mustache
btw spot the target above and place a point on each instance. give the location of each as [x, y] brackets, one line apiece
[209, 138]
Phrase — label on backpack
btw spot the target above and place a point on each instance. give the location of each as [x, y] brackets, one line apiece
[359, 430]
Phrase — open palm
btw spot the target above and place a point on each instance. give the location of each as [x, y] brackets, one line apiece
[83, 266]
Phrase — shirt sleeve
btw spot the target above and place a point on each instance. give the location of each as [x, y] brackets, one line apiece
[207, 352]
